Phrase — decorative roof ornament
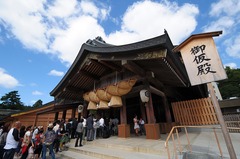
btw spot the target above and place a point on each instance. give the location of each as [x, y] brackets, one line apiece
[100, 39]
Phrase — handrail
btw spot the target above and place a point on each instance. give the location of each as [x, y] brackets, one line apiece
[189, 146]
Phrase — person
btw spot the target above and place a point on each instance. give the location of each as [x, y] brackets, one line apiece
[79, 132]
[101, 126]
[35, 132]
[38, 143]
[89, 125]
[115, 122]
[141, 125]
[1, 130]
[95, 127]
[110, 126]
[12, 141]
[26, 143]
[56, 142]
[48, 139]
[69, 127]
[3, 138]
[136, 125]
[22, 133]
[74, 127]
[84, 128]
[60, 133]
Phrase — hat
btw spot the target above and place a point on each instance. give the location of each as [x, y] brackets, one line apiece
[50, 125]
[40, 127]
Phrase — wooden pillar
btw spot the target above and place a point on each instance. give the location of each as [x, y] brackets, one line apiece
[79, 117]
[123, 127]
[149, 110]
[73, 113]
[167, 110]
[123, 112]
[64, 114]
[35, 120]
[56, 116]
[84, 112]
[143, 112]
[152, 128]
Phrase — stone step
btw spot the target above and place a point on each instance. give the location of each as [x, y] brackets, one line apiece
[132, 145]
[119, 148]
[73, 155]
[112, 153]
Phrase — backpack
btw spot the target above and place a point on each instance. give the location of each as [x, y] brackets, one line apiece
[49, 137]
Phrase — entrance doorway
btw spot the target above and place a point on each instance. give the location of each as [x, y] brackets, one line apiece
[133, 108]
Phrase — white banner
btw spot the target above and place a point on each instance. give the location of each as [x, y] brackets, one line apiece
[202, 61]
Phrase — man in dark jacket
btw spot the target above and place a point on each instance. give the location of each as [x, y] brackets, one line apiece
[89, 125]
[74, 127]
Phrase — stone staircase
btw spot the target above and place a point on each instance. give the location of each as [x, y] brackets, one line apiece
[117, 148]
[202, 143]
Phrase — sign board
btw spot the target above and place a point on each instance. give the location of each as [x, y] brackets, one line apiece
[202, 60]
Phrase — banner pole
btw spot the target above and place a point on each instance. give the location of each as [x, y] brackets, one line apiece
[225, 132]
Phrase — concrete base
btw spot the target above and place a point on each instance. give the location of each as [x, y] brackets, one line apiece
[152, 131]
[124, 130]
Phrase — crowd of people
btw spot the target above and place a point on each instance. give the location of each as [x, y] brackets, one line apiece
[99, 127]
[32, 142]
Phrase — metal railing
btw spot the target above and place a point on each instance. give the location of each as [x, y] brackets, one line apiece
[171, 135]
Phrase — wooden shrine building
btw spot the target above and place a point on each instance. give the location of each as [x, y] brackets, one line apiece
[107, 80]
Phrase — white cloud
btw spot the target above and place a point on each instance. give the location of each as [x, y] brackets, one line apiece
[233, 47]
[37, 93]
[89, 8]
[226, 15]
[69, 41]
[62, 8]
[55, 73]
[23, 19]
[137, 25]
[231, 65]
[61, 27]
[228, 7]
[58, 28]
[6, 80]
[223, 23]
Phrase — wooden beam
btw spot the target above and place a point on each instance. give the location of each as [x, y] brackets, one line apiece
[111, 65]
[156, 91]
[133, 67]
[73, 90]
[152, 80]
[89, 75]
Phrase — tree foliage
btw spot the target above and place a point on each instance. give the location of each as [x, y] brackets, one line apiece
[230, 87]
[11, 100]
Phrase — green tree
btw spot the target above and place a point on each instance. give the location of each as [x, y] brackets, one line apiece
[230, 87]
[11, 100]
[38, 103]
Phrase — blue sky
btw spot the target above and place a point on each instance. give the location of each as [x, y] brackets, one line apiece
[40, 39]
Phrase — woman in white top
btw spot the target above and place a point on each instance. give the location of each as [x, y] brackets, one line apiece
[136, 125]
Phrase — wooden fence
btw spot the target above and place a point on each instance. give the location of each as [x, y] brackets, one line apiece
[195, 112]
[232, 120]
